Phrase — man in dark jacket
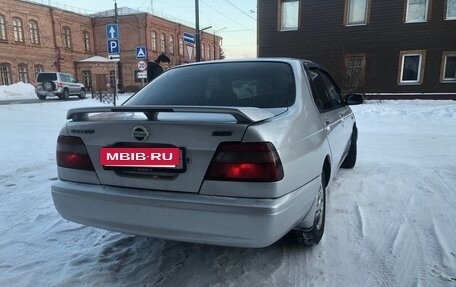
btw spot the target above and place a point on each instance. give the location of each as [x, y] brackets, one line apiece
[155, 69]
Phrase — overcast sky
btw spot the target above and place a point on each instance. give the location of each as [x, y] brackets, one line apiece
[238, 16]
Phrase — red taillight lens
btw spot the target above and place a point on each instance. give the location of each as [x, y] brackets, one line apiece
[245, 162]
[59, 84]
[72, 153]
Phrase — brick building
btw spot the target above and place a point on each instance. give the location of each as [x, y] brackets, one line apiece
[36, 37]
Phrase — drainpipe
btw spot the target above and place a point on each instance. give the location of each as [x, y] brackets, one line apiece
[57, 49]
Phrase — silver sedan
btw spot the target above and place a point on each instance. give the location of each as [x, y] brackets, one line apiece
[235, 153]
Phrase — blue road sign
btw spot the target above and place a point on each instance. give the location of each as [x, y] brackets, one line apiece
[112, 31]
[189, 38]
[113, 46]
[141, 53]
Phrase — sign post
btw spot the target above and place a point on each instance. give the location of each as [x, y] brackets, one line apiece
[189, 40]
[112, 37]
[142, 66]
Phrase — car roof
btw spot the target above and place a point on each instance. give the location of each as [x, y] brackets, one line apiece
[307, 63]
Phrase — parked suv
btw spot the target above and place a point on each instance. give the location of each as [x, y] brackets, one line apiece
[62, 85]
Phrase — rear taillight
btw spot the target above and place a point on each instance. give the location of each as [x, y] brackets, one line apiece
[72, 153]
[245, 162]
[59, 84]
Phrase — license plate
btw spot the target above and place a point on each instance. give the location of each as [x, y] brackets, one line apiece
[144, 158]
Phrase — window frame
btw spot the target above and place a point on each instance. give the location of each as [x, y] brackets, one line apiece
[18, 30]
[5, 75]
[86, 40]
[66, 37]
[427, 13]
[181, 46]
[3, 35]
[347, 14]
[171, 44]
[446, 11]
[163, 43]
[87, 79]
[23, 73]
[362, 80]
[38, 68]
[203, 50]
[153, 40]
[34, 32]
[280, 23]
[421, 66]
[445, 56]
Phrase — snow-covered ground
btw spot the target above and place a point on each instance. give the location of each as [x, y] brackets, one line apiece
[391, 220]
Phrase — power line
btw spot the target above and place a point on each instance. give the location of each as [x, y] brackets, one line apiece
[224, 15]
[239, 9]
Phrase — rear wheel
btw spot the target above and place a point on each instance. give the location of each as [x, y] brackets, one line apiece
[65, 95]
[82, 95]
[313, 235]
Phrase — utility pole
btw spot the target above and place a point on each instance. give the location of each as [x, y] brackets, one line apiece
[197, 33]
[116, 64]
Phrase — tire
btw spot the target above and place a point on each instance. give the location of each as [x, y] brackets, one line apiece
[82, 95]
[41, 97]
[350, 159]
[49, 86]
[312, 236]
[65, 95]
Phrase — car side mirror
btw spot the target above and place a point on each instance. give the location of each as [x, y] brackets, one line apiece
[354, 99]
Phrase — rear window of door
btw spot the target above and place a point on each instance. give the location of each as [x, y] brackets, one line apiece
[325, 92]
[43, 77]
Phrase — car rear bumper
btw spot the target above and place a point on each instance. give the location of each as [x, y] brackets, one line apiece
[43, 92]
[239, 222]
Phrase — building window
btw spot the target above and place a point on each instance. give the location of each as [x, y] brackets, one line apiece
[4, 74]
[181, 46]
[34, 33]
[86, 40]
[448, 67]
[412, 67]
[112, 78]
[162, 43]
[203, 46]
[450, 10]
[355, 71]
[153, 39]
[23, 73]
[87, 79]
[2, 28]
[208, 52]
[171, 44]
[289, 10]
[357, 12]
[66, 37]
[38, 69]
[18, 31]
[417, 11]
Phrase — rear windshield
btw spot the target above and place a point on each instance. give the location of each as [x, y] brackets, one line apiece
[43, 77]
[241, 84]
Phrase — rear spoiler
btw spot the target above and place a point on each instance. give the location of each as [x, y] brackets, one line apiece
[243, 115]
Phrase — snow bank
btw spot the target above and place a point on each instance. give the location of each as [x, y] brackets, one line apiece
[17, 91]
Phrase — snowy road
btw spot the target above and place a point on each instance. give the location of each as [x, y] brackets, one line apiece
[391, 220]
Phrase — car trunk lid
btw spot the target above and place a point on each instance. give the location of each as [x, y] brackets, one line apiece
[196, 131]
